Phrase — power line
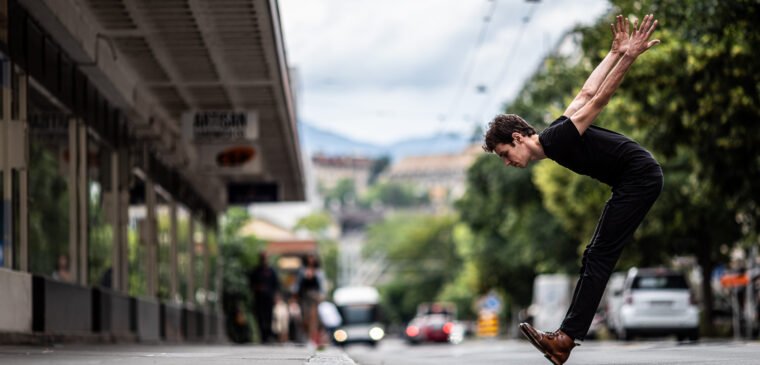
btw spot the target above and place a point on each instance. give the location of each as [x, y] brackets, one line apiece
[500, 78]
[471, 65]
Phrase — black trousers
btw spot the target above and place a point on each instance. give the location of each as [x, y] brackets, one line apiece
[622, 214]
[262, 306]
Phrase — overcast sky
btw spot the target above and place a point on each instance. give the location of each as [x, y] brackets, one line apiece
[385, 70]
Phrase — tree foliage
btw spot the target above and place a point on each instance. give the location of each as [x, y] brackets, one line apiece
[422, 256]
[514, 236]
[694, 102]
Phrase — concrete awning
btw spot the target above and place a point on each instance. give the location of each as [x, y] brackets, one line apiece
[160, 59]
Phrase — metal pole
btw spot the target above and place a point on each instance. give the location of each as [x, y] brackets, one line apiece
[736, 312]
[23, 181]
[173, 249]
[749, 298]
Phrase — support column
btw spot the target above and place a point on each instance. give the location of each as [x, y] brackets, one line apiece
[206, 267]
[73, 211]
[191, 260]
[83, 198]
[173, 293]
[23, 180]
[124, 233]
[115, 221]
[150, 205]
[7, 207]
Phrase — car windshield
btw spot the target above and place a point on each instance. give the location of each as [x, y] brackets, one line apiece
[660, 282]
[355, 314]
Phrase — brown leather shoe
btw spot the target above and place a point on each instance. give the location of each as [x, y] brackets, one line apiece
[556, 345]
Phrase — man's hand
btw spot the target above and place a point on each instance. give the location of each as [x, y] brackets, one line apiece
[620, 35]
[639, 41]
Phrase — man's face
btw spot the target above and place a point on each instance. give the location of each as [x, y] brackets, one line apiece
[517, 155]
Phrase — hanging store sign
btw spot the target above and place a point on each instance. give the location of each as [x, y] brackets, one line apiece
[220, 126]
[232, 159]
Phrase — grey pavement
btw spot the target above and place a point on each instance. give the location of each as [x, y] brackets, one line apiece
[474, 352]
[170, 354]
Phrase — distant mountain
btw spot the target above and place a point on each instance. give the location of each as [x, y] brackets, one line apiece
[315, 140]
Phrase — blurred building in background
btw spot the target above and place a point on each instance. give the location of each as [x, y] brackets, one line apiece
[329, 171]
[442, 176]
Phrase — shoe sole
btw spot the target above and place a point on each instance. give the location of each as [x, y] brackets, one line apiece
[535, 343]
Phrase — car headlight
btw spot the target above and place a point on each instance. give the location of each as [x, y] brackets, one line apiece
[376, 333]
[340, 335]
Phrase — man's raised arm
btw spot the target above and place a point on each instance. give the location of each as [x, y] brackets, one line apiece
[620, 35]
[638, 44]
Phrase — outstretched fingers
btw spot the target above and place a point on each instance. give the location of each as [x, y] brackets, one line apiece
[651, 29]
[652, 43]
[619, 23]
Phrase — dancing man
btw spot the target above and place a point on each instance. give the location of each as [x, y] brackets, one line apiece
[573, 142]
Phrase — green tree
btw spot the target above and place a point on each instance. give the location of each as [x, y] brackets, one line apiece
[692, 101]
[239, 255]
[422, 257]
[514, 236]
[342, 194]
[318, 225]
[392, 194]
[378, 166]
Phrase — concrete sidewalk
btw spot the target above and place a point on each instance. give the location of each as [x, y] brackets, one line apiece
[170, 354]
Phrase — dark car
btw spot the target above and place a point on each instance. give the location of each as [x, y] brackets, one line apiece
[434, 322]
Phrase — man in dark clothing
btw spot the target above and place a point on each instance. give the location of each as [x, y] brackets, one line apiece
[573, 142]
[264, 285]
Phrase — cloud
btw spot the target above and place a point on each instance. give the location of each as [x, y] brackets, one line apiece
[385, 70]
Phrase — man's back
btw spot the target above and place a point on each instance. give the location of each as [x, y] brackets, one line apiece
[605, 155]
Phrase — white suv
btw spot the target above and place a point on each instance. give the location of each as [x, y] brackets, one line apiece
[657, 302]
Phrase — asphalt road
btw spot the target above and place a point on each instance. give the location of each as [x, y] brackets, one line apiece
[473, 352]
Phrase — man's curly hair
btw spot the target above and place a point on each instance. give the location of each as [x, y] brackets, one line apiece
[501, 128]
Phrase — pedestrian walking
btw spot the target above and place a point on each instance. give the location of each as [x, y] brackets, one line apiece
[311, 287]
[574, 143]
[264, 285]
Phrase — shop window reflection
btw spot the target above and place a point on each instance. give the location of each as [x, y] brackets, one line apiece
[99, 201]
[48, 188]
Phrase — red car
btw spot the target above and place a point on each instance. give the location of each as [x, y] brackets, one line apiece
[433, 323]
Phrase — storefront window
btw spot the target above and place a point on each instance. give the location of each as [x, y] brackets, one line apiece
[48, 188]
[99, 205]
[137, 239]
[213, 251]
[164, 246]
[198, 264]
[183, 255]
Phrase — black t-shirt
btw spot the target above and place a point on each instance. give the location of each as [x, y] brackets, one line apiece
[605, 155]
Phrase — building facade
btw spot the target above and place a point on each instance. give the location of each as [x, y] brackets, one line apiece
[127, 128]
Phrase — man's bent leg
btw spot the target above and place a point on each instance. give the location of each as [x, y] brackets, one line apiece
[622, 214]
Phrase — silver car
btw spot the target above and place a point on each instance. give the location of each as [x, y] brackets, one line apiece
[657, 302]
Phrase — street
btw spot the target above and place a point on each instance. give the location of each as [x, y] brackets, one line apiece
[474, 352]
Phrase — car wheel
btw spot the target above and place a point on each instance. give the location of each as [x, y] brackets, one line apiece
[694, 335]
